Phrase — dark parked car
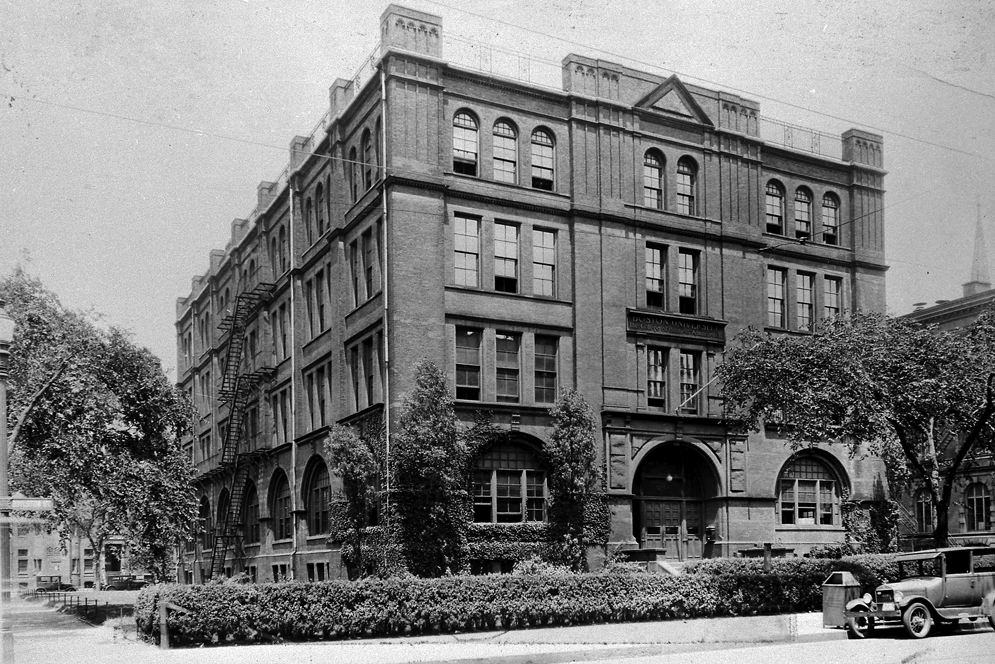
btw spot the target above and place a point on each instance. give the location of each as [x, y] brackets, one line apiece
[52, 584]
[125, 583]
[935, 587]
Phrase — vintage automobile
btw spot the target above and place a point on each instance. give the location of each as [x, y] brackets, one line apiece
[934, 587]
[125, 583]
[51, 584]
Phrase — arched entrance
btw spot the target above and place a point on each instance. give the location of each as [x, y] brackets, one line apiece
[674, 487]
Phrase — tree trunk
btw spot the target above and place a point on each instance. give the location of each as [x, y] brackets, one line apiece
[942, 532]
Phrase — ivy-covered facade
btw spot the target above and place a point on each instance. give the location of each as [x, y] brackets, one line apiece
[607, 232]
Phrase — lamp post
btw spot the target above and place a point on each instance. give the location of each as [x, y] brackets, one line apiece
[6, 635]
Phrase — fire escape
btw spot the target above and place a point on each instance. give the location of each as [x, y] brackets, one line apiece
[235, 391]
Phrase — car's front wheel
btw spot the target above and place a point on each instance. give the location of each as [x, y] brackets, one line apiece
[40, 591]
[857, 627]
[918, 620]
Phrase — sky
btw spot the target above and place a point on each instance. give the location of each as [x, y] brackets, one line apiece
[132, 132]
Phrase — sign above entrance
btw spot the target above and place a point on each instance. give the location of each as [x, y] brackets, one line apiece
[677, 326]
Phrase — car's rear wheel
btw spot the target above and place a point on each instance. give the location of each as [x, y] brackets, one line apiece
[40, 591]
[858, 627]
[918, 620]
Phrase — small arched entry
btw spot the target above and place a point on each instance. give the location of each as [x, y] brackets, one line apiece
[673, 491]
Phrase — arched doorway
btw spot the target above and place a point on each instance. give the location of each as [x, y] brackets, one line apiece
[673, 503]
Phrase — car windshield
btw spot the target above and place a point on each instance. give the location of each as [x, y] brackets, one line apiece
[913, 568]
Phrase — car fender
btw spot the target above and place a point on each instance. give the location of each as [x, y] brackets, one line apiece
[988, 604]
[855, 604]
[916, 598]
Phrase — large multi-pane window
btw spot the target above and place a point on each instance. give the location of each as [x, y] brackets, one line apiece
[505, 152]
[656, 377]
[775, 208]
[687, 174]
[467, 247]
[508, 368]
[544, 262]
[832, 289]
[251, 514]
[319, 495]
[468, 363]
[506, 258]
[690, 381]
[652, 180]
[655, 276]
[924, 512]
[775, 297]
[803, 214]
[978, 505]
[545, 369]
[542, 160]
[464, 144]
[509, 486]
[806, 304]
[282, 516]
[687, 277]
[830, 219]
[808, 493]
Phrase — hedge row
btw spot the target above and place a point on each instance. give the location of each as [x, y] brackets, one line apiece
[222, 613]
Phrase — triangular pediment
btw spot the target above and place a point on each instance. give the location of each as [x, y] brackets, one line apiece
[673, 99]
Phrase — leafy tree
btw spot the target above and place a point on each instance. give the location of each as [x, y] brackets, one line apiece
[354, 463]
[428, 461]
[919, 397]
[96, 427]
[571, 458]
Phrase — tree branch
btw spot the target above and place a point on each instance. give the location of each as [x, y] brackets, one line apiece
[910, 453]
[33, 402]
[972, 437]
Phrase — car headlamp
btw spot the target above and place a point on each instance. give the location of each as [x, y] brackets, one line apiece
[898, 595]
[867, 598]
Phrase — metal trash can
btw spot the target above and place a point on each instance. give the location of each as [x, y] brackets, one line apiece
[839, 588]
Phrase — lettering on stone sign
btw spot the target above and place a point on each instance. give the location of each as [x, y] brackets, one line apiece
[677, 327]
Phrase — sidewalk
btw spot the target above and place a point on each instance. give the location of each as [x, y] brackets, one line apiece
[44, 636]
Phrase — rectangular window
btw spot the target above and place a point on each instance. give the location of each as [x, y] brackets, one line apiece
[284, 330]
[309, 300]
[655, 276]
[320, 380]
[369, 256]
[468, 363]
[319, 296]
[507, 367]
[687, 276]
[22, 566]
[787, 501]
[482, 496]
[656, 377]
[544, 262]
[535, 497]
[509, 496]
[368, 369]
[545, 369]
[354, 367]
[354, 271]
[833, 287]
[312, 399]
[690, 381]
[806, 306]
[466, 242]
[506, 258]
[285, 415]
[775, 297]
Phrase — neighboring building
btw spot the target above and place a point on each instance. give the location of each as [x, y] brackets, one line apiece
[610, 234]
[970, 517]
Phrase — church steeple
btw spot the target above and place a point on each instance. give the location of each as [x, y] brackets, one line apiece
[980, 278]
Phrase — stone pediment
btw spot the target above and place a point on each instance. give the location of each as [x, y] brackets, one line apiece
[671, 98]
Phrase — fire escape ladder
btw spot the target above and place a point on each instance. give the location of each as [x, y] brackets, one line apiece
[235, 390]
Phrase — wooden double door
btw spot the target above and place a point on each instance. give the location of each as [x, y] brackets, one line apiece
[674, 525]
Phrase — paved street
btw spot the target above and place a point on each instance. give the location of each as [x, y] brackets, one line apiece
[45, 636]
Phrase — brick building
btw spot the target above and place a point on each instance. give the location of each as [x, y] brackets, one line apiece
[610, 233]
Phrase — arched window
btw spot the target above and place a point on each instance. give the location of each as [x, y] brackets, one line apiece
[283, 249]
[317, 498]
[924, 512]
[803, 213]
[830, 219]
[687, 181]
[652, 180]
[320, 204]
[250, 514]
[542, 160]
[505, 152]
[464, 144]
[226, 301]
[252, 269]
[309, 221]
[978, 504]
[353, 176]
[206, 527]
[808, 493]
[367, 160]
[775, 208]
[509, 486]
[243, 282]
[283, 527]
[222, 516]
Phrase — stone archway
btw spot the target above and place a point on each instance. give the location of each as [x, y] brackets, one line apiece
[674, 493]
